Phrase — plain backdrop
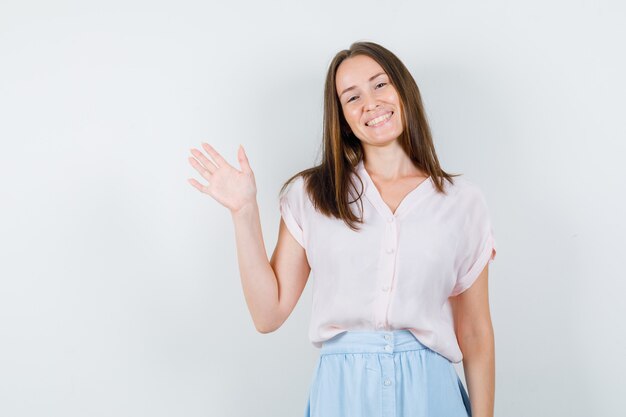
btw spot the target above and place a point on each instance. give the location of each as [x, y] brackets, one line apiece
[119, 288]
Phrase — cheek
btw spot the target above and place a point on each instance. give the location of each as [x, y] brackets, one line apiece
[351, 116]
[393, 97]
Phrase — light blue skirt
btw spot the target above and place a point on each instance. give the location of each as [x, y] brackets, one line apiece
[384, 374]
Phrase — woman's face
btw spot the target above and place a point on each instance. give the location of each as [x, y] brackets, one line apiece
[369, 101]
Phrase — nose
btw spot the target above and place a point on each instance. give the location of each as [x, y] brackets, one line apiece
[370, 101]
[371, 106]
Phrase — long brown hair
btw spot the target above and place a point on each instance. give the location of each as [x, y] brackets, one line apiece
[328, 183]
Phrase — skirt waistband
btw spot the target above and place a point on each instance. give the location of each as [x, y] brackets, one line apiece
[374, 341]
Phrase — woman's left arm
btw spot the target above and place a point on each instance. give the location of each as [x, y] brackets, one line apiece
[472, 322]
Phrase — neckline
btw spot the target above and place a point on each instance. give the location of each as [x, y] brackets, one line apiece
[409, 200]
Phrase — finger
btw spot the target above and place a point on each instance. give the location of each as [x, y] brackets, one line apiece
[243, 160]
[200, 168]
[197, 185]
[216, 156]
[206, 162]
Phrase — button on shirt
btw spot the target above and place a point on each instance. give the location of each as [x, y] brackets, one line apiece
[398, 271]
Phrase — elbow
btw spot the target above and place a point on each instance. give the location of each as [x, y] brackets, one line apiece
[479, 341]
[269, 322]
[267, 327]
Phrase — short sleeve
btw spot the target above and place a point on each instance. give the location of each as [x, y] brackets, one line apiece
[477, 246]
[292, 209]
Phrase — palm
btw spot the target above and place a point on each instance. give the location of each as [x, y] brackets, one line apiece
[229, 186]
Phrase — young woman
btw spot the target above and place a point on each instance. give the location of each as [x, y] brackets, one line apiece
[399, 252]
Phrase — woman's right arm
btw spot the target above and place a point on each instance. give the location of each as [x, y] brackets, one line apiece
[271, 288]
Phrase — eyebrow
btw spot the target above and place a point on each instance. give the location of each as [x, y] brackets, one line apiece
[354, 86]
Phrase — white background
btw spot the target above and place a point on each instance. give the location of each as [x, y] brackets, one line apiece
[119, 288]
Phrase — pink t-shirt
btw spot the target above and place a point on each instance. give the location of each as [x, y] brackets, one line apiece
[398, 271]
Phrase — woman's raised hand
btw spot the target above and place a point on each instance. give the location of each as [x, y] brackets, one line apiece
[232, 188]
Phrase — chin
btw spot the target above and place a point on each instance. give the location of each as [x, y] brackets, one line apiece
[388, 136]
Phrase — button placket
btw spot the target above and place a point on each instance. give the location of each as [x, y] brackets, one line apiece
[388, 377]
[390, 239]
[387, 269]
[390, 235]
[387, 263]
[389, 346]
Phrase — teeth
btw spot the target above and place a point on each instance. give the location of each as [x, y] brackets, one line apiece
[379, 119]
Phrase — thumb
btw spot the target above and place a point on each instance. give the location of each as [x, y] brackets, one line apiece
[243, 160]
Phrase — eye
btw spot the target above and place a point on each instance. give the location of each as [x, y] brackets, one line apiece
[383, 83]
[350, 99]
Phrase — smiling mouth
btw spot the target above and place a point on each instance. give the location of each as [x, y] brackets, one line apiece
[380, 120]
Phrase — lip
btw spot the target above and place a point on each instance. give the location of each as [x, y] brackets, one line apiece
[383, 123]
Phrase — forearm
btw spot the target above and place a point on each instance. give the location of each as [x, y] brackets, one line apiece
[258, 279]
[479, 368]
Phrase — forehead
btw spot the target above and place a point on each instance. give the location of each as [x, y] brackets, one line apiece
[355, 70]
